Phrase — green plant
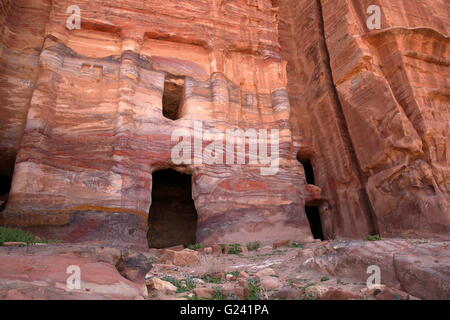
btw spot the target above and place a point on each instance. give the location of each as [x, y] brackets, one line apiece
[218, 294]
[323, 279]
[212, 279]
[254, 289]
[374, 237]
[185, 285]
[17, 235]
[234, 248]
[190, 284]
[234, 273]
[195, 246]
[296, 245]
[253, 246]
[194, 297]
[308, 285]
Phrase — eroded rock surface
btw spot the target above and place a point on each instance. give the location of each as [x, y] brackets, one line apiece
[41, 272]
[87, 115]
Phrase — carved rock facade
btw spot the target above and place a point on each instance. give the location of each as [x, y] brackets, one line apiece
[83, 115]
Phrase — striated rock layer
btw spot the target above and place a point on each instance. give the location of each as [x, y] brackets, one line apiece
[371, 110]
[49, 272]
[82, 115]
[95, 129]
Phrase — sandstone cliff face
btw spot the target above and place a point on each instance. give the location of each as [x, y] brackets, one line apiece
[82, 115]
[373, 108]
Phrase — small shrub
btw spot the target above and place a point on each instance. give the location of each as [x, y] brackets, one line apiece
[211, 279]
[253, 246]
[375, 237]
[234, 248]
[218, 294]
[254, 289]
[296, 245]
[323, 279]
[185, 285]
[17, 235]
[234, 273]
[195, 246]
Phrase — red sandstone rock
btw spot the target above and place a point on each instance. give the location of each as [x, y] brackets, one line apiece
[280, 243]
[89, 119]
[185, 257]
[13, 243]
[162, 286]
[204, 292]
[419, 267]
[270, 283]
[265, 272]
[216, 249]
[82, 125]
[39, 272]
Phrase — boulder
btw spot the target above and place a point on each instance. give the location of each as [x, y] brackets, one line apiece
[270, 283]
[185, 257]
[161, 286]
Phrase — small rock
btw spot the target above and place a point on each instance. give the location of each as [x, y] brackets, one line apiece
[244, 275]
[230, 277]
[374, 290]
[199, 281]
[339, 294]
[208, 250]
[270, 283]
[265, 272]
[316, 291]
[14, 243]
[287, 294]
[162, 286]
[216, 249]
[185, 257]
[205, 293]
[243, 283]
[237, 292]
[280, 243]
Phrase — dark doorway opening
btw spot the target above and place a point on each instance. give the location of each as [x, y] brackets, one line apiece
[309, 172]
[315, 223]
[172, 97]
[312, 212]
[172, 217]
[5, 187]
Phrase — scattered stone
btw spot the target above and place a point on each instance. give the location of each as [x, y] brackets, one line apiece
[265, 272]
[234, 291]
[315, 291]
[339, 294]
[205, 293]
[185, 257]
[14, 243]
[205, 250]
[198, 281]
[161, 286]
[270, 283]
[230, 277]
[281, 243]
[287, 293]
[244, 274]
[216, 249]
